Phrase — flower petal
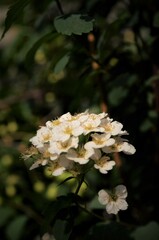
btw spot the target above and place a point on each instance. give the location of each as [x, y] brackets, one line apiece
[103, 197]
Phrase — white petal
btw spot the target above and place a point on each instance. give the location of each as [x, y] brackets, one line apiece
[97, 154]
[58, 171]
[122, 204]
[128, 148]
[112, 208]
[121, 191]
[103, 197]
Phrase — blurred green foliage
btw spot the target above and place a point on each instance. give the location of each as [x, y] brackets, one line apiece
[43, 74]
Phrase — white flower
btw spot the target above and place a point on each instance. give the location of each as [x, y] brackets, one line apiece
[120, 146]
[100, 140]
[114, 201]
[44, 135]
[102, 163]
[46, 154]
[78, 138]
[38, 163]
[59, 146]
[65, 117]
[92, 123]
[56, 167]
[128, 148]
[80, 156]
[71, 129]
[114, 128]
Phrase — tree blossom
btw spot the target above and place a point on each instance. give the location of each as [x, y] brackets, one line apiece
[100, 140]
[80, 155]
[102, 163]
[72, 140]
[115, 200]
[60, 147]
[44, 135]
[113, 128]
[120, 145]
[93, 122]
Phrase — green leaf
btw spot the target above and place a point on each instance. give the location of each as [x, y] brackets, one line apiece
[5, 213]
[147, 232]
[94, 204]
[117, 95]
[156, 20]
[108, 231]
[61, 64]
[146, 125]
[30, 55]
[67, 179]
[60, 230]
[16, 227]
[73, 24]
[15, 10]
[54, 208]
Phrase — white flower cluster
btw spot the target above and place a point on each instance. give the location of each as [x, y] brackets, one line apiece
[71, 141]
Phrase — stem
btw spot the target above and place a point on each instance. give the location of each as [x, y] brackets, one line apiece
[92, 213]
[59, 6]
[117, 218]
[80, 181]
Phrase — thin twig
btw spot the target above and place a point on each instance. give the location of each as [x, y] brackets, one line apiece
[59, 6]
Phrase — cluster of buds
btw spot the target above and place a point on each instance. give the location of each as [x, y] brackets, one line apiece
[73, 140]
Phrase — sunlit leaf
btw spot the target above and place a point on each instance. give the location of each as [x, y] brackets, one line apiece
[73, 24]
[67, 179]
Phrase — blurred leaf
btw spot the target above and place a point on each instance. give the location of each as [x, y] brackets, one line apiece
[117, 95]
[30, 55]
[153, 114]
[147, 232]
[156, 20]
[61, 64]
[94, 204]
[110, 231]
[15, 10]
[61, 203]
[146, 125]
[16, 227]
[60, 230]
[5, 214]
[73, 24]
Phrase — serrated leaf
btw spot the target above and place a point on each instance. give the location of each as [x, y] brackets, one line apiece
[30, 55]
[14, 11]
[61, 64]
[73, 24]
